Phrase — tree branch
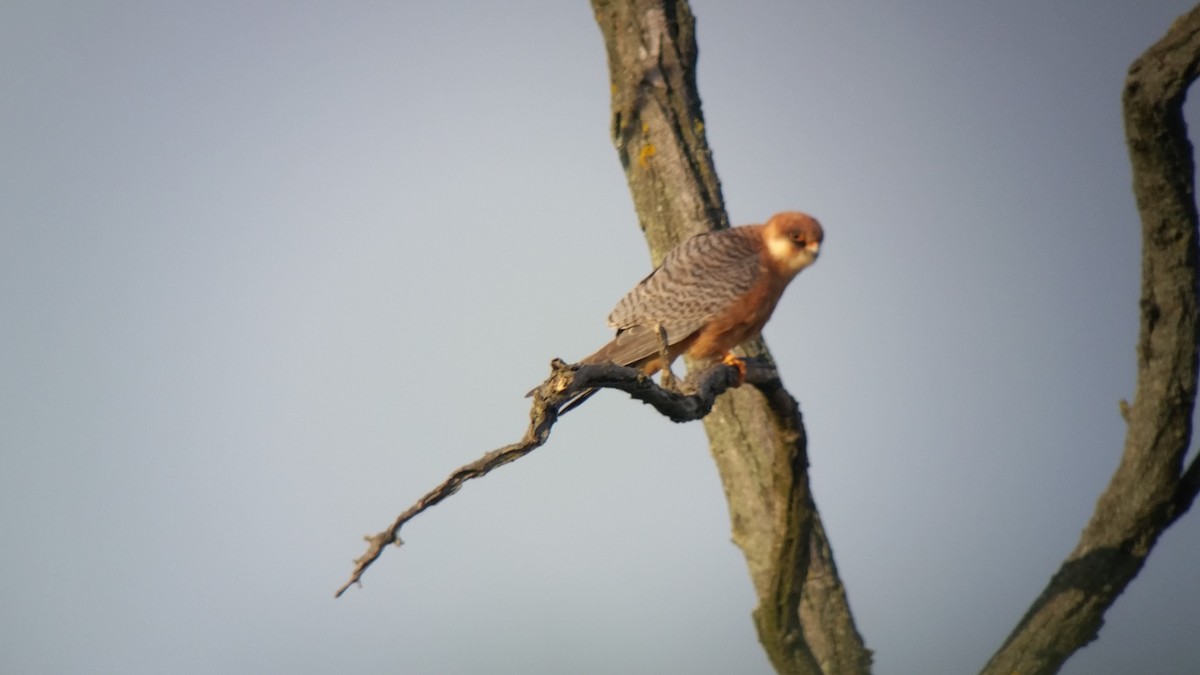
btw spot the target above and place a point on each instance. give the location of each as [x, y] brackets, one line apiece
[1149, 489]
[564, 383]
[803, 616]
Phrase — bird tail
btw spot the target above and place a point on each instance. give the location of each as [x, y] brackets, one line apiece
[609, 353]
[576, 401]
[602, 355]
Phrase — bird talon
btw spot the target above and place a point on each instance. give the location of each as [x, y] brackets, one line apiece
[736, 362]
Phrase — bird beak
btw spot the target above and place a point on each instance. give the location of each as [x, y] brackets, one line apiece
[813, 247]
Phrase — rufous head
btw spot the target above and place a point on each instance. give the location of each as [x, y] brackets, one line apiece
[793, 240]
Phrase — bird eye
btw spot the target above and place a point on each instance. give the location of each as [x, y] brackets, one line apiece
[797, 238]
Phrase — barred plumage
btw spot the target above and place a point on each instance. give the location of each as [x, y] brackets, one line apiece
[711, 292]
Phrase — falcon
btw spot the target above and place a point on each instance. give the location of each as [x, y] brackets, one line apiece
[710, 294]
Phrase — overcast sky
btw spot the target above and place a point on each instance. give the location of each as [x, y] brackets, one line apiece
[270, 270]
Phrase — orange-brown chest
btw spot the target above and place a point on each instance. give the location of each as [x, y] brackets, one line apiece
[742, 320]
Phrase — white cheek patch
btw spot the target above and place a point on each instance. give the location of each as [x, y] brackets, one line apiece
[785, 253]
[781, 249]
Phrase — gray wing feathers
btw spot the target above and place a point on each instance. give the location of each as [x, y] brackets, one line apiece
[696, 281]
[629, 346]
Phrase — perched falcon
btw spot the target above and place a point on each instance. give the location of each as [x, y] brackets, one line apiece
[711, 293]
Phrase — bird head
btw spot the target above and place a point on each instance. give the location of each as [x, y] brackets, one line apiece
[793, 240]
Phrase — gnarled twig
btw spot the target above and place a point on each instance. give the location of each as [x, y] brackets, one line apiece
[564, 383]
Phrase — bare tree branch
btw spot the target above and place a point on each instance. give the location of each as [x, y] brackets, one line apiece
[1149, 489]
[563, 385]
[803, 616]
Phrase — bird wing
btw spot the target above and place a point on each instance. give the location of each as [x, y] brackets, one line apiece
[697, 280]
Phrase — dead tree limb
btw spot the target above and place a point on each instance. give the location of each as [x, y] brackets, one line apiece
[803, 616]
[565, 382]
[1150, 489]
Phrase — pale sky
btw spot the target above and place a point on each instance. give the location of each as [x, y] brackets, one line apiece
[271, 270]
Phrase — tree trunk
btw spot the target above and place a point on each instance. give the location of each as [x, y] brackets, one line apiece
[1150, 488]
[757, 437]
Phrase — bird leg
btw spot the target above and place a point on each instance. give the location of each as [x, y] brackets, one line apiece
[668, 378]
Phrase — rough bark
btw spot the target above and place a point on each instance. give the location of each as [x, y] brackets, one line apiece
[1150, 488]
[756, 435]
